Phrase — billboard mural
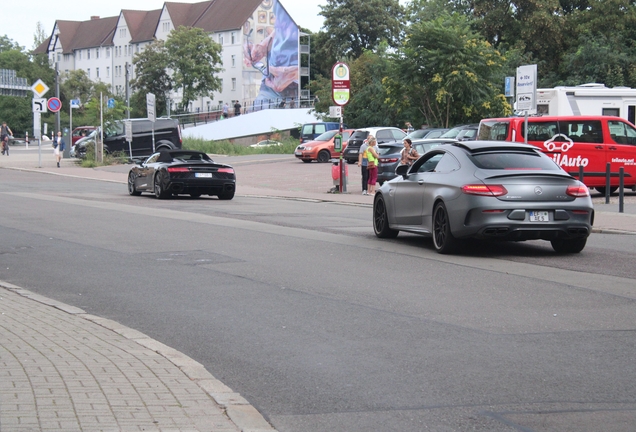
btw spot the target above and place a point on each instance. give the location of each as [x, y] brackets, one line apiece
[270, 57]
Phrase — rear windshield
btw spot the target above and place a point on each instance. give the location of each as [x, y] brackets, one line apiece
[186, 156]
[385, 150]
[359, 135]
[513, 161]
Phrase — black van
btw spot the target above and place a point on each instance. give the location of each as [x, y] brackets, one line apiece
[167, 135]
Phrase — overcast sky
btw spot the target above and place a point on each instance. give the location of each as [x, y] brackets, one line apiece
[19, 19]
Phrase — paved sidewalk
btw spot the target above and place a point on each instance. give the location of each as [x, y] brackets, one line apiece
[64, 370]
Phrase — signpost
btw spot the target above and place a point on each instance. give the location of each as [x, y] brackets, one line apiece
[74, 104]
[340, 93]
[39, 106]
[526, 92]
[150, 108]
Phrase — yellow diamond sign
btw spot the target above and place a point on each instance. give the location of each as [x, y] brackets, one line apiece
[39, 88]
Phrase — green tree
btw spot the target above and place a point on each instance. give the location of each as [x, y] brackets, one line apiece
[450, 73]
[193, 58]
[151, 76]
[39, 36]
[353, 26]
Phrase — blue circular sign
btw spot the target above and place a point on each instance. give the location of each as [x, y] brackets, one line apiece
[54, 104]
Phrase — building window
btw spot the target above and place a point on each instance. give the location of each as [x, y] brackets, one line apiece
[166, 27]
[67, 57]
[97, 72]
[107, 52]
[80, 54]
[88, 54]
[233, 83]
[107, 72]
[233, 60]
[233, 38]
[126, 50]
[88, 72]
[96, 52]
[122, 33]
[220, 39]
[59, 57]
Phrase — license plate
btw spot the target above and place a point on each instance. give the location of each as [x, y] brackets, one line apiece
[539, 216]
[204, 175]
[298, 153]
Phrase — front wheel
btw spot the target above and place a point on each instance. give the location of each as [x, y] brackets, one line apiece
[381, 219]
[443, 238]
[132, 189]
[324, 156]
[569, 246]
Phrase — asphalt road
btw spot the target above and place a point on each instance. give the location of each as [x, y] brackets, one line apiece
[321, 326]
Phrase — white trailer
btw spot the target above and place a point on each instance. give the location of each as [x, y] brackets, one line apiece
[588, 99]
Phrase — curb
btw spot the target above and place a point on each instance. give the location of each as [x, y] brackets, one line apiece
[238, 409]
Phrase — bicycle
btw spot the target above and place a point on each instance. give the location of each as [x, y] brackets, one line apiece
[5, 146]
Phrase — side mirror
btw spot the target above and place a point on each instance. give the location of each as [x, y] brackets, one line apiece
[401, 170]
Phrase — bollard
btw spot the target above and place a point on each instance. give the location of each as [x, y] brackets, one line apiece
[581, 173]
[621, 194]
[607, 183]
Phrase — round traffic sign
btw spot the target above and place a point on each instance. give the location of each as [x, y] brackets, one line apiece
[54, 104]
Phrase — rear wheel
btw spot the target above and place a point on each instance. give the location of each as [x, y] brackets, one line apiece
[132, 190]
[159, 192]
[324, 156]
[443, 238]
[226, 195]
[381, 219]
[602, 189]
[569, 246]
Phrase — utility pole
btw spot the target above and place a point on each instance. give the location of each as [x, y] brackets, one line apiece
[127, 90]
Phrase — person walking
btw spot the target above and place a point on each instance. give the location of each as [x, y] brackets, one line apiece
[237, 109]
[372, 165]
[362, 163]
[226, 110]
[5, 133]
[58, 147]
[408, 155]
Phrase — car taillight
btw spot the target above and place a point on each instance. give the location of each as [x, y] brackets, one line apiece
[485, 190]
[388, 160]
[178, 169]
[578, 191]
[226, 170]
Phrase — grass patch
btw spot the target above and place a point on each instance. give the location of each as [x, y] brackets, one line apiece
[227, 148]
[118, 158]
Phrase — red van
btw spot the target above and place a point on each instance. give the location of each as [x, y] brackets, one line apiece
[573, 141]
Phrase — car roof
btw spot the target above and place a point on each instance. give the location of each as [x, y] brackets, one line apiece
[376, 128]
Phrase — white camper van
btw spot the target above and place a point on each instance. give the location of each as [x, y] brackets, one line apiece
[588, 99]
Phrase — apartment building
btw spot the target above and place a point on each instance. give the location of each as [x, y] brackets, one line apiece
[105, 47]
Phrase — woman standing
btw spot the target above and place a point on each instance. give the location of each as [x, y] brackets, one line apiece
[408, 155]
[372, 165]
[58, 147]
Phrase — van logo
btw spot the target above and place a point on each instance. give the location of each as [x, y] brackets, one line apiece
[551, 146]
[538, 190]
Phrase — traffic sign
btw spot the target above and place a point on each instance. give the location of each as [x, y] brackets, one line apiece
[39, 105]
[75, 103]
[340, 84]
[39, 88]
[54, 104]
[111, 103]
[150, 106]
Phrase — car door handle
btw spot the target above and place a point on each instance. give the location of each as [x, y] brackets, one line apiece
[598, 147]
[612, 148]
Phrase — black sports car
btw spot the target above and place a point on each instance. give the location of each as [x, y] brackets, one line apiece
[187, 172]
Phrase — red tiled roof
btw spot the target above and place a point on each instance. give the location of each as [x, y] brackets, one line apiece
[226, 14]
[141, 24]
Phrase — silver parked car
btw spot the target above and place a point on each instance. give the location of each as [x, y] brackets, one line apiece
[485, 190]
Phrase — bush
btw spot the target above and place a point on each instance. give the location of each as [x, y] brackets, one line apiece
[227, 148]
[116, 158]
